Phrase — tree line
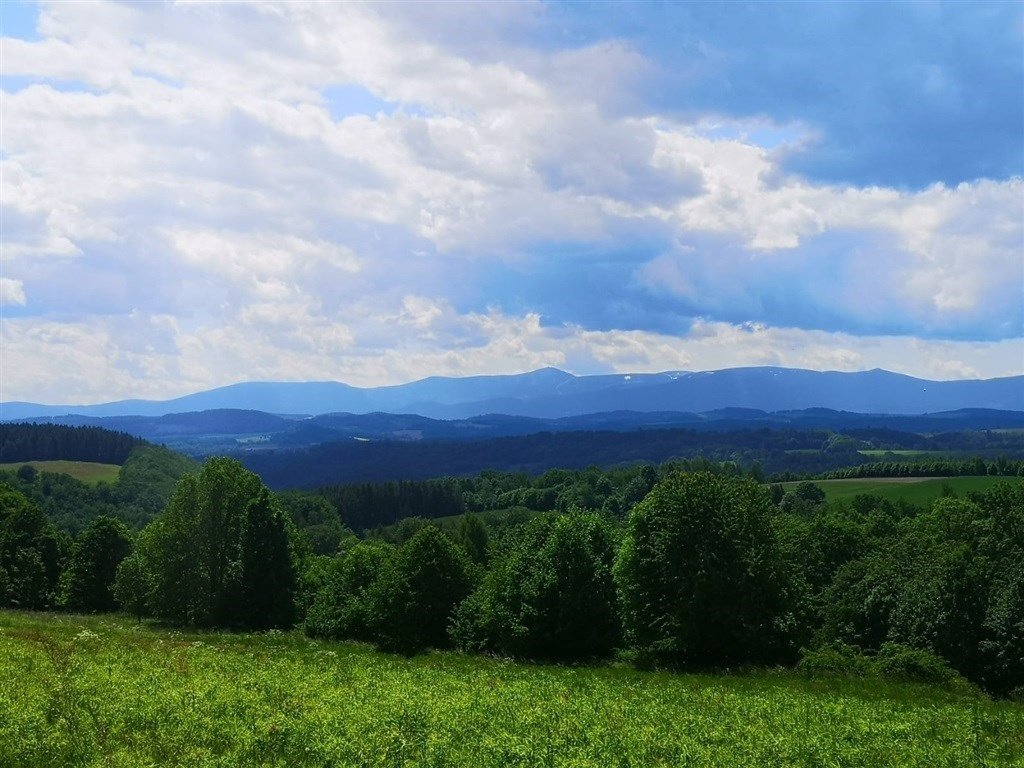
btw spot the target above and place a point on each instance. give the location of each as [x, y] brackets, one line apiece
[704, 571]
[49, 442]
[940, 467]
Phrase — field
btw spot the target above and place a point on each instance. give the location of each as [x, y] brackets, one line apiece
[911, 454]
[86, 471]
[916, 490]
[78, 691]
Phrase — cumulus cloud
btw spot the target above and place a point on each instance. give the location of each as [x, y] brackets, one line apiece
[180, 187]
[12, 292]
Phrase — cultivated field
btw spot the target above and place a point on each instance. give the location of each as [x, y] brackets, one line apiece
[917, 490]
[80, 691]
[86, 471]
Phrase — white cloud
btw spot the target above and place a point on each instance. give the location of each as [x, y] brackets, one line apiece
[182, 161]
[105, 359]
[12, 292]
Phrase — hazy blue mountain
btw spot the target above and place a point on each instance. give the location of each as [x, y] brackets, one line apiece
[228, 431]
[551, 393]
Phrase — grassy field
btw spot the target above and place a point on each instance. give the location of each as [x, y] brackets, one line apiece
[906, 453]
[80, 691]
[917, 490]
[86, 471]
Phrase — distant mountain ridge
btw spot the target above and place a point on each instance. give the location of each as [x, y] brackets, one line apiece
[232, 430]
[550, 393]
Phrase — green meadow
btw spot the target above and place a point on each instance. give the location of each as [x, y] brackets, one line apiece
[86, 471]
[104, 691]
[916, 490]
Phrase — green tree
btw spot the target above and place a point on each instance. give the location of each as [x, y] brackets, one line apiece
[97, 553]
[317, 519]
[551, 596]
[132, 586]
[474, 538]
[267, 589]
[341, 608]
[32, 551]
[412, 599]
[194, 549]
[698, 574]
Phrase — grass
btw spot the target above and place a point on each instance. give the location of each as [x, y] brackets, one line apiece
[904, 453]
[78, 691]
[86, 471]
[916, 490]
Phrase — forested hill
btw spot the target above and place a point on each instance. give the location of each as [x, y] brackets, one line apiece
[50, 442]
[776, 451]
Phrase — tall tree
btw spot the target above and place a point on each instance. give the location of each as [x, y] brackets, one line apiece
[32, 551]
[698, 573]
[267, 589]
[551, 596]
[97, 553]
[412, 600]
[194, 549]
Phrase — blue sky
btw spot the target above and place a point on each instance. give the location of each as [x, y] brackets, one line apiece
[198, 194]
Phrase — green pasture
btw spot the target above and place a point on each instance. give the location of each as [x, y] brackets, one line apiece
[916, 490]
[86, 471]
[78, 691]
[876, 453]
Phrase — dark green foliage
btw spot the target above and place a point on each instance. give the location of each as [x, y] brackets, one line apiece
[1002, 649]
[266, 591]
[474, 538]
[411, 601]
[946, 581]
[32, 552]
[27, 473]
[317, 519]
[943, 467]
[893, 661]
[699, 575]
[340, 609]
[148, 478]
[88, 580]
[552, 596]
[47, 442]
[209, 541]
[365, 506]
[914, 665]
[133, 586]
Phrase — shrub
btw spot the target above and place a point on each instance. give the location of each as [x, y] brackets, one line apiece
[914, 665]
[837, 659]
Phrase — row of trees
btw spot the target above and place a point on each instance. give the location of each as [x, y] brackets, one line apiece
[42, 567]
[46, 442]
[705, 571]
[940, 467]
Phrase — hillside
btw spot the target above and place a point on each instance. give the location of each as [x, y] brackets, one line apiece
[154, 697]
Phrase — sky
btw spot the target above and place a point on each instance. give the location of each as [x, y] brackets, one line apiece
[195, 194]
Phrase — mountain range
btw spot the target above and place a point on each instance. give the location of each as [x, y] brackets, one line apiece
[550, 393]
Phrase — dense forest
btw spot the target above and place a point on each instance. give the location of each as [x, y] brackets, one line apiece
[682, 566]
[780, 453]
[45, 442]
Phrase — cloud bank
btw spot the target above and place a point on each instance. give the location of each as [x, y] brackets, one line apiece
[196, 194]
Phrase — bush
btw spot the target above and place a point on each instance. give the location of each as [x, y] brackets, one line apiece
[837, 659]
[914, 665]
